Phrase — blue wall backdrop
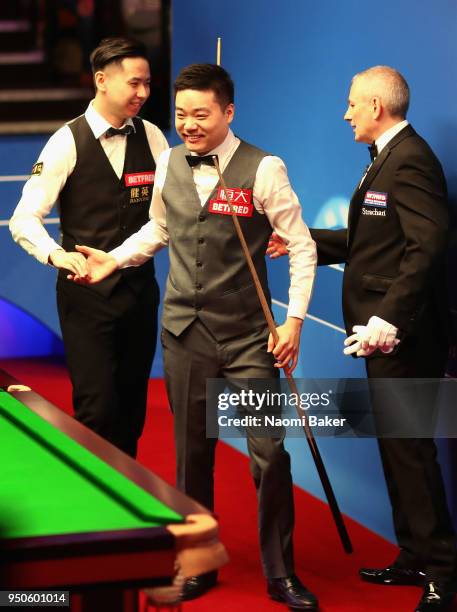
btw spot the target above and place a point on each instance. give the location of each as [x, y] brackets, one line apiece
[292, 62]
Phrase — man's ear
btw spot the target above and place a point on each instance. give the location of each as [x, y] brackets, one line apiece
[100, 80]
[230, 112]
[377, 107]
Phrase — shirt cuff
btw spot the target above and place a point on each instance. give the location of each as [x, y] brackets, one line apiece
[44, 251]
[296, 309]
[121, 256]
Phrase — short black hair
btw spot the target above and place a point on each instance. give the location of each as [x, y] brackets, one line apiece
[207, 77]
[114, 50]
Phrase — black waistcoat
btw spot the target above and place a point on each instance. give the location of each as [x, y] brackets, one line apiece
[98, 209]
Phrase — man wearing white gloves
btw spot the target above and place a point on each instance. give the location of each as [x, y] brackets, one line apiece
[394, 304]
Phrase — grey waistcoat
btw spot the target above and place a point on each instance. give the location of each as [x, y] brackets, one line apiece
[209, 277]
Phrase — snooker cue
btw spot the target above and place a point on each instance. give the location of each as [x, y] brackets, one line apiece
[329, 493]
[219, 51]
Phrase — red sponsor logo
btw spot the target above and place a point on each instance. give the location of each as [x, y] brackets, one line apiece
[139, 178]
[240, 199]
[375, 198]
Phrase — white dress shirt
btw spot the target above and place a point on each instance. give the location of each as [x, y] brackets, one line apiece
[385, 138]
[272, 196]
[58, 157]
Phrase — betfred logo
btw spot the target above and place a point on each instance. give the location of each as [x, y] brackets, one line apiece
[240, 199]
[222, 208]
[375, 198]
[139, 178]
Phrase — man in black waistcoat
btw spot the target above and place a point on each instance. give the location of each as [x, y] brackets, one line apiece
[213, 325]
[101, 168]
[394, 293]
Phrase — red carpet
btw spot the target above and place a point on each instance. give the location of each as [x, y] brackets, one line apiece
[320, 562]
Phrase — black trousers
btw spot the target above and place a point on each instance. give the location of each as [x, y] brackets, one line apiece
[109, 345]
[422, 522]
[189, 360]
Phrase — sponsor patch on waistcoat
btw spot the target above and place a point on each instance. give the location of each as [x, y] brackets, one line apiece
[241, 200]
[138, 195]
[136, 179]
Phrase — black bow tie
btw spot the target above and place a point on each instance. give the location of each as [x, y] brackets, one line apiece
[196, 160]
[373, 149]
[124, 131]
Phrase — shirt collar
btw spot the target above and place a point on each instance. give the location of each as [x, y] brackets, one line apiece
[99, 124]
[385, 138]
[225, 149]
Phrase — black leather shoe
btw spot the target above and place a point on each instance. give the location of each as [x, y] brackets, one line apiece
[393, 575]
[292, 592]
[198, 585]
[437, 596]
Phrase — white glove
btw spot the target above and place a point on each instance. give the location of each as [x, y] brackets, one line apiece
[379, 334]
[353, 343]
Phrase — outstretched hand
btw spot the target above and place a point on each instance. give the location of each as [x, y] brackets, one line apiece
[99, 266]
[276, 247]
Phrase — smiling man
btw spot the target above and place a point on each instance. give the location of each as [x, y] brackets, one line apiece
[100, 167]
[213, 324]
